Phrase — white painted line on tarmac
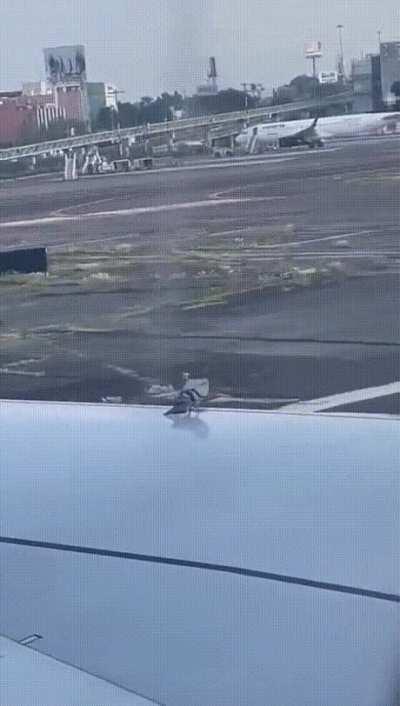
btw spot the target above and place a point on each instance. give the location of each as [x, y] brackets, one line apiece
[280, 247]
[186, 205]
[223, 194]
[92, 241]
[336, 254]
[342, 236]
[294, 243]
[63, 211]
[325, 403]
[212, 198]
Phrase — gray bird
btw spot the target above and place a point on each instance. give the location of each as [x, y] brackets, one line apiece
[190, 396]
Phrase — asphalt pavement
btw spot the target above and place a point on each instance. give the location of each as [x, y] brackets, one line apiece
[340, 203]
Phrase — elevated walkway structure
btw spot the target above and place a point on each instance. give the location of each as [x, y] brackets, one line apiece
[234, 120]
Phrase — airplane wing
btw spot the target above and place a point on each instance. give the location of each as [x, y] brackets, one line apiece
[29, 677]
[253, 560]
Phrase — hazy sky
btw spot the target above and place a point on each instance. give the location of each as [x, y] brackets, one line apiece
[145, 46]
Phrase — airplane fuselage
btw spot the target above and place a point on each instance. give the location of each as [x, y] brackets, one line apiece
[313, 133]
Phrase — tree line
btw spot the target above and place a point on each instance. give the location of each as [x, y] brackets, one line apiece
[165, 107]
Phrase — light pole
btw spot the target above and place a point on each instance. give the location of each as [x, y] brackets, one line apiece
[379, 33]
[114, 109]
[342, 73]
[114, 114]
[246, 97]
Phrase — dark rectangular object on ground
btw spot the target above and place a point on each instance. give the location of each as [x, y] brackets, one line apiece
[23, 261]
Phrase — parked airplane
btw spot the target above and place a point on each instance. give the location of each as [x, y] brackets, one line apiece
[314, 132]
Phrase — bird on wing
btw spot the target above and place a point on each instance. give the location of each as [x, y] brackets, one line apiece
[190, 396]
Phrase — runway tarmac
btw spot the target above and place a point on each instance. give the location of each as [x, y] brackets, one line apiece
[339, 204]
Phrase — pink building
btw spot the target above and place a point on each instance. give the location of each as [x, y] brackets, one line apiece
[16, 121]
[23, 116]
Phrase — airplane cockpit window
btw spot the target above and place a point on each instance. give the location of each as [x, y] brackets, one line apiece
[199, 353]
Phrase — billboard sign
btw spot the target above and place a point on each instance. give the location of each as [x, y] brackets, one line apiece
[65, 64]
[328, 77]
[313, 50]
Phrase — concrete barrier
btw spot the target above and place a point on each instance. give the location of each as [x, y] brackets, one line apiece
[23, 261]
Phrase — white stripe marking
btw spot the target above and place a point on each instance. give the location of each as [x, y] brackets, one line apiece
[47, 220]
[342, 236]
[326, 403]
